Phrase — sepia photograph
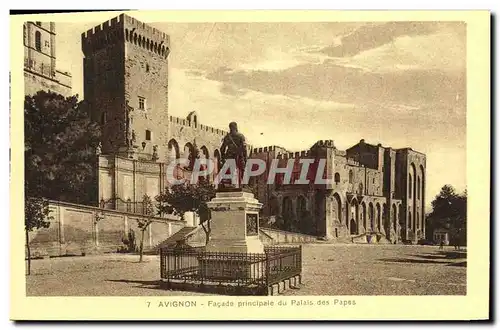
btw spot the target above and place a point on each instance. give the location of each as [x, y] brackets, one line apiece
[289, 159]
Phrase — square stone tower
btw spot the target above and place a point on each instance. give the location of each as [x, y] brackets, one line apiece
[40, 73]
[125, 70]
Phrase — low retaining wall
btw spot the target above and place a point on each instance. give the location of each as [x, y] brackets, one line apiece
[79, 229]
[275, 236]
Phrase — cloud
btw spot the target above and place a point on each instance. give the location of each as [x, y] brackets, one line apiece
[373, 35]
[328, 81]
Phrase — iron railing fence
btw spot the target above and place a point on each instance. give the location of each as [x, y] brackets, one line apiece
[260, 270]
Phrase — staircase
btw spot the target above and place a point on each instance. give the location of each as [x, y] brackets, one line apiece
[182, 234]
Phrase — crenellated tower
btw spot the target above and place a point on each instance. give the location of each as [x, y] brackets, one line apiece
[126, 85]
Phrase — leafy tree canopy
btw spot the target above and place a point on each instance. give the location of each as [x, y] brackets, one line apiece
[449, 209]
[60, 142]
[187, 197]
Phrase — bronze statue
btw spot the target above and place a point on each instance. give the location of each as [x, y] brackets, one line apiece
[234, 147]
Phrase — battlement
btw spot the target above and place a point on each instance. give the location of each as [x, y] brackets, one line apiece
[125, 28]
[270, 149]
[103, 34]
[294, 155]
[325, 143]
[201, 127]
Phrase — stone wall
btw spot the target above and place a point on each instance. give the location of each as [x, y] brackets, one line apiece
[268, 236]
[273, 236]
[77, 229]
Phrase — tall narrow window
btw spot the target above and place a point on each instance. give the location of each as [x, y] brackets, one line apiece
[142, 103]
[38, 40]
[351, 176]
[148, 135]
[409, 187]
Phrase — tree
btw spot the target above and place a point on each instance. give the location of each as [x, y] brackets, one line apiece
[60, 143]
[143, 224]
[449, 211]
[36, 216]
[181, 198]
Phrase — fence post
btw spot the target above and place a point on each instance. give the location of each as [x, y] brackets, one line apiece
[268, 269]
[300, 264]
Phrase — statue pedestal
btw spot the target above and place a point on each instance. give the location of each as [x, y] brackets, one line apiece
[235, 223]
[234, 229]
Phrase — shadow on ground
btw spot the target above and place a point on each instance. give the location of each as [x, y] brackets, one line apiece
[440, 257]
[155, 284]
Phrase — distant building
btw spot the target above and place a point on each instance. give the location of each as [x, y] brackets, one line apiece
[40, 72]
[374, 190]
[441, 235]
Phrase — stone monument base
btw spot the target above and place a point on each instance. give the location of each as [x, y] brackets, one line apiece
[248, 267]
[235, 223]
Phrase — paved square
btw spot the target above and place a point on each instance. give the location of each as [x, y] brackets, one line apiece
[327, 270]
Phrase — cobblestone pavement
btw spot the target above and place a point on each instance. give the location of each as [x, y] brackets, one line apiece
[327, 270]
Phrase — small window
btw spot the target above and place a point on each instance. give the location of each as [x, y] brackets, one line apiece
[142, 103]
[47, 44]
[147, 67]
[337, 177]
[351, 176]
[148, 135]
[38, 40]
[39, 23]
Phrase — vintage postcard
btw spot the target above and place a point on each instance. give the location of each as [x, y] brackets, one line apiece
[258, 165]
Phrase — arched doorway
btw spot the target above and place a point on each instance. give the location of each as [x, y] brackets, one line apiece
[173, 150]
[422, 198]
[413, 210]
[303, 214]
[379, 218]
[189, 155]
[371, 215]
[287, 212]
[273, 206]
[205, 155]
[354, 216]
[402, 227]
[394, 218]
[363, 215]
[337, 207]
[216, 161]
[353, 227]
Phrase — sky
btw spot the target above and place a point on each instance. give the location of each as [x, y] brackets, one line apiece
[401, 84]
